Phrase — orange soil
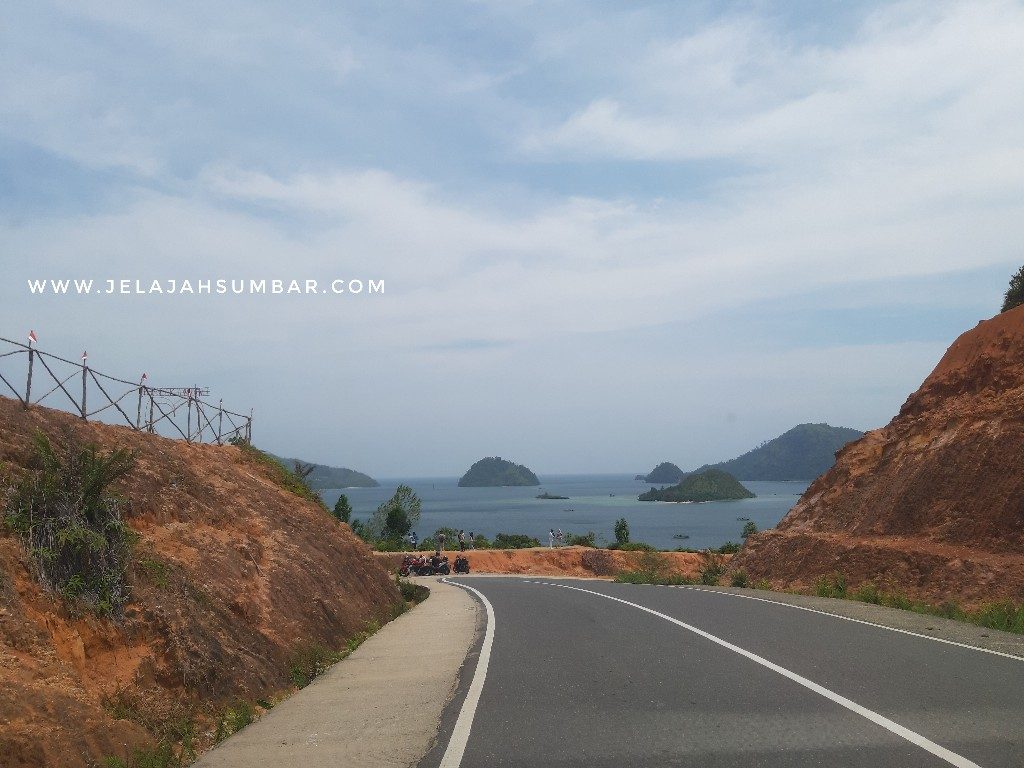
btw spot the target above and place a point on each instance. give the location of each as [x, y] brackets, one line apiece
[931, 504]
[250, 573]
[562, 561]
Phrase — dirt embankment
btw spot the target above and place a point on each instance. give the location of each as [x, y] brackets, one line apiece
[563, 561]
[231, 575]
[931, 505]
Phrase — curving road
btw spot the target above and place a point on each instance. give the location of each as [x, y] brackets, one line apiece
[589, 673]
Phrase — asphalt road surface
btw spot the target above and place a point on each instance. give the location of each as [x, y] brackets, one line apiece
[588, 673]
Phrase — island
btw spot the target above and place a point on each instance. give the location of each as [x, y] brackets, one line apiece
[547, 495]
[803, 453]
[496, 472]
[710, 485]
[666, 472]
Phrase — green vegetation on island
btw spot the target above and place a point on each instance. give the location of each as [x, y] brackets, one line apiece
[495, 472]
[322, 476]
[803, 453]
[666, 472]
[709, 485]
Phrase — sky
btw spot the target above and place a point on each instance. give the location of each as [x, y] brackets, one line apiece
[609, 234]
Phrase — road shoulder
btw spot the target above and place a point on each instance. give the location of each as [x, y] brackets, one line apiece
[379, 707]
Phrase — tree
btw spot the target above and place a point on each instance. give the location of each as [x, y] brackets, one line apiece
[396, 516]
[622, 531]
[1014, 296]
[749, 529]
[343, 509]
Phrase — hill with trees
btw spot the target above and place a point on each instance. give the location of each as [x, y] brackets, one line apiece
[803, 453]
[708, 485]
[323, 476]
[495, 472]
[666, 472]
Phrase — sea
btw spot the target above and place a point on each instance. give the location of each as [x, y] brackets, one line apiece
[595, 502]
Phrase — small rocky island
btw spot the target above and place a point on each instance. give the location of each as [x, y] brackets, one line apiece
[547, 495]
[710, 485]
[496, 472]
[666, 472]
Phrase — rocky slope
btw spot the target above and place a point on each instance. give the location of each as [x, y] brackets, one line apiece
[232, 576]
[931, 505]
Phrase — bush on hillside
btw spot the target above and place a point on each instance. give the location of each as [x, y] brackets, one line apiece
[71, 521]
[1014, 295]
[514, 541]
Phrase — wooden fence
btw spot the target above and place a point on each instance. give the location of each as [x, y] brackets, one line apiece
[177, 411]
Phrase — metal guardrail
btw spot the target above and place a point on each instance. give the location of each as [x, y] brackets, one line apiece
[181, 411]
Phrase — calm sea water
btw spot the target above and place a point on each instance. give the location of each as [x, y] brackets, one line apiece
[595, 503]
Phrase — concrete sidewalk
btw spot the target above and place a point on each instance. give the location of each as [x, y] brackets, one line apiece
[379, 707]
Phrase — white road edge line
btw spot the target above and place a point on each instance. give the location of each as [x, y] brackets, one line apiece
[912, 736]
[460, 734]
[856, 621]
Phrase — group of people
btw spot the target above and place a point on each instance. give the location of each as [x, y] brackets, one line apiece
[463, 540]
[556, 538]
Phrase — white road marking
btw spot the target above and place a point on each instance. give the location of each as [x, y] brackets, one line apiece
[460, 735]
[912, 736]
[856, 621]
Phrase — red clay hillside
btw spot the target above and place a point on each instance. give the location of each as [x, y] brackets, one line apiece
[932, 505]
[232, 576]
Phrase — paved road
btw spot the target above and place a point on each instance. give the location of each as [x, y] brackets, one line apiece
[677, 677]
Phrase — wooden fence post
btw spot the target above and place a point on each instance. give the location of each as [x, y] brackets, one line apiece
[28, 383]
[85, 371]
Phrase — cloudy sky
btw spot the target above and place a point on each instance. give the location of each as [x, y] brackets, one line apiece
[610, 233]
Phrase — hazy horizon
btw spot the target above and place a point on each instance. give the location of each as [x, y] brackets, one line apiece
[608, 236]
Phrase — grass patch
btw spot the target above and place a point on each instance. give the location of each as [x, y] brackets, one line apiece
[157, 572]
[280, 474]
[1005, 616]
[652, 568]
[412, 593]
[310, 661]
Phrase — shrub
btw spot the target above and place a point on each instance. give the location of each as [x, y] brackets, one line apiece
[711, 568]
[514, 541]
[412, 593]
[749, 529]
[833, 585]
[621, 531]
[343, 509]
[71, 522]
[396, 516]
[868, 593]
[586, 540]
[481, 542]
[739, 579]
[632, 546]
[729, 548]
[652, 568]
[309, 662]
[763, 584]
[1014, 295]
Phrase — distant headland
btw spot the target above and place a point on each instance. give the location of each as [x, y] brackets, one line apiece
[495, 472]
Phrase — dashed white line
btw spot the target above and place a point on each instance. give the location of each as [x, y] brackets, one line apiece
[893, 727]
[463, 725]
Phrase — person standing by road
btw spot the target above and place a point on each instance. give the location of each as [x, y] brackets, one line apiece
[551, 538]
[462, 540]
[472, 540]
[440, 543]
[559, 536]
